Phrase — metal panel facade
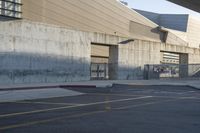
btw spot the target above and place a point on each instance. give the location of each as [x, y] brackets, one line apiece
[104, 16]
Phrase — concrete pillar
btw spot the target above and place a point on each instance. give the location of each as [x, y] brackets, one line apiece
[183, 68]
[113, 62]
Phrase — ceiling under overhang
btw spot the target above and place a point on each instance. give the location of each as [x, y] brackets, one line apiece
[191, 4]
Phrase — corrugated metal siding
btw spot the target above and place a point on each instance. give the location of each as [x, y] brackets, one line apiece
[100, 51]
[193, 32]
[105, 16]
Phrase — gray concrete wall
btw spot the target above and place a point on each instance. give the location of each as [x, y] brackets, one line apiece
[193, 32]
[31, 52]
[193, 53]
[173, 38]
[35, 53]
[133, 57]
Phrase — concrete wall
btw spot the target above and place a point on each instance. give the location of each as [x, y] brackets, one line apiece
[181, 35]
[146, 33]
[193, 53]
[175, 38]
[193, 32]
[133, 57]
[40, 53]
[33, 52]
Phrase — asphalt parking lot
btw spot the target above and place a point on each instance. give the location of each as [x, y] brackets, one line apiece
[120, 109]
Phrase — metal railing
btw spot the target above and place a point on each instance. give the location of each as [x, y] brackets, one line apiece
[99, 71]
[11, 8]
[175, 71]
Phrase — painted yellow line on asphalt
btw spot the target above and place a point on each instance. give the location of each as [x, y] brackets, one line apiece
[102, 94]
[177, 97]
[49, 120]
[125, 95]
[47, 103]
[69, 107]
[80, 115]
[144, 104]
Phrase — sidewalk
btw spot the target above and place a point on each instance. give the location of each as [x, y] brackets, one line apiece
[103, 83]
[191, 83]
[20, 92]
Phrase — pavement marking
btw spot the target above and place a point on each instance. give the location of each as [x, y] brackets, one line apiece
[171, 92]
[151, 103]
[186, 92]
[179, 97]
[87, 114]
[143, 104]
[50, 120]
[78, 115]
[47, 103]
[103, 94]
[164, 92]
[68, 107]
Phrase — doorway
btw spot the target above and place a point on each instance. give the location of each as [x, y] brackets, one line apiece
[103, 58]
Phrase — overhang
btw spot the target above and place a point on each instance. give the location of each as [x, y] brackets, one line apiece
[191, 4]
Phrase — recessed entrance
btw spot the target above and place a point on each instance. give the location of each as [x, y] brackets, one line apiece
[103, 57]
[172, 65]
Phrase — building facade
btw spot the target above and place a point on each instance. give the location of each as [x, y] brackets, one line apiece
[64, 40]
[184, 26]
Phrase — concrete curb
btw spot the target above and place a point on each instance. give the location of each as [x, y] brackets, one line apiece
[101, 85]
[194, 87]
[47, 86]
[183, 85]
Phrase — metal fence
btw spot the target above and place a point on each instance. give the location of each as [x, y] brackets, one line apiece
[99, 71]
[175, 71]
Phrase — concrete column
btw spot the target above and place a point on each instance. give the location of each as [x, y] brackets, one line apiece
[113, 62]
[183, 68]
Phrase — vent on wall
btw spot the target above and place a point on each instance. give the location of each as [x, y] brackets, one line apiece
[170, 58]
[10, 8]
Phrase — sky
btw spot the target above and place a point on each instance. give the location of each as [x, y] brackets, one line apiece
[160, 6]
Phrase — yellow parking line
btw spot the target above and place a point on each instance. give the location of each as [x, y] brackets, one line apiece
[73, 106]
[47, 103]
[48, 120]
[103, 94]
[80, 115]
[77, 115]
[143, 104]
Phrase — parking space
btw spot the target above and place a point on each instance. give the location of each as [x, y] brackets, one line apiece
[118, 109]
